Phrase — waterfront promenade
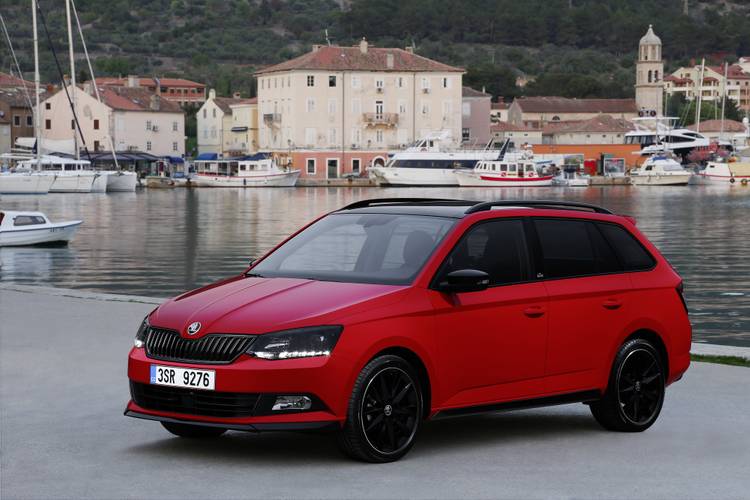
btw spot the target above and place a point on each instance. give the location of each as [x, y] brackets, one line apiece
[63, 387]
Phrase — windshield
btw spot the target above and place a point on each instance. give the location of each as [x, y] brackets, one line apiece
[358, 248]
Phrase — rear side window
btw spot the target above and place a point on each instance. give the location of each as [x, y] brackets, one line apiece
[573, 248]
[497, 247]
[630, 251]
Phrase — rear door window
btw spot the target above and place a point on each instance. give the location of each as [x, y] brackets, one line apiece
[629, 250]
[572, 248]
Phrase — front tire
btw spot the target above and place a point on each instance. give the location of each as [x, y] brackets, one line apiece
[635, 392]
[385, 411]
[193, 431]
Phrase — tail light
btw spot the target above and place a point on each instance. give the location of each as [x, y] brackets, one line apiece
[680, 289]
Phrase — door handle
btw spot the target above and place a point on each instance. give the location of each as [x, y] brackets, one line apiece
[534, 311]
[612, 304]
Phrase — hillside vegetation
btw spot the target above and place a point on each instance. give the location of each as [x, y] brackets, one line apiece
[577, 48]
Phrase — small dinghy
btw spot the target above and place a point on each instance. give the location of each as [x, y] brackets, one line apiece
[34, 228]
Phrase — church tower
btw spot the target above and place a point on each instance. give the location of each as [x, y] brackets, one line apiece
[649, 87]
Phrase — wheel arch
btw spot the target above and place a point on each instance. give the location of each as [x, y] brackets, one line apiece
[656, 340]
[414, 360]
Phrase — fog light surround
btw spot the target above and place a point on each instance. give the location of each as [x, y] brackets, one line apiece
[294, 403]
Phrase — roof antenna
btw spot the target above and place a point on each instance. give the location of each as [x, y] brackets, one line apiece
[328, 40]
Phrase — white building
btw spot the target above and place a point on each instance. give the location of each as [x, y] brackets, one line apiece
[336, 110]
[222, 132]
[649, 89]
[130, 119]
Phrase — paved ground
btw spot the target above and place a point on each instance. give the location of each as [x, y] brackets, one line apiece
[63, 388]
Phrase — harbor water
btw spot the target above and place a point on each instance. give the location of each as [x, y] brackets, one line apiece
[163, 242]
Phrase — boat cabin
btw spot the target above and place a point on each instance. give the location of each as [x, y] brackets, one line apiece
[22, 219]
[247, 166]
[507, 169]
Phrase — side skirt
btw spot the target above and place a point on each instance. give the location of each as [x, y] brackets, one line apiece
[560, 399]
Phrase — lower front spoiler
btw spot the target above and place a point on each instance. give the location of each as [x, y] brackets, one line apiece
[281, 426]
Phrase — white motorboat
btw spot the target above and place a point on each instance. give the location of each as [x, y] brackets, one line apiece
[34, 228]
[429, 162]
[732, 170]
[570, 176]
[70, 176]
[501, 173]
[25, 183]
[660, 170]
[120, 180]
[258, 170]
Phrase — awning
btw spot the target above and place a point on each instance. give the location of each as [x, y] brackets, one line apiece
[239, 129]
[174, 159]
[207, 157]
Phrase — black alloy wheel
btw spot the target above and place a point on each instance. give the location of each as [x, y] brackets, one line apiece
[385, 411]
[635, 393]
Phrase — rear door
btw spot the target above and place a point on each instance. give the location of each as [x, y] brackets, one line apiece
[492, 343]
[588, 300]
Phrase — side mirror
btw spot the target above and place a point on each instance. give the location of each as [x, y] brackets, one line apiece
[464, 280]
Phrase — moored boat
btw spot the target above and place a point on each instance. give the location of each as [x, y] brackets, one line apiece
[258, 170]
[660, 170]
[732, 171]
[69, 176]
[120, 180]
[34, 228]
[500, 173]
[570, 176]
[25, 183]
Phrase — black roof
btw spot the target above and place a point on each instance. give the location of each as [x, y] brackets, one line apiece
[457, 208]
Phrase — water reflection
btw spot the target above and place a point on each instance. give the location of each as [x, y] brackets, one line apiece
[161, 242]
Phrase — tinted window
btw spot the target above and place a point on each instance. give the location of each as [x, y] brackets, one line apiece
[27, 220]
[497, 248]
[573, 248]
[631, 253]
[369, 248]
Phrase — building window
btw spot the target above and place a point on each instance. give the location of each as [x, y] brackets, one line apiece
[446, 82]
[174, 146]
[204, 112]
[425, 108]
[332, 81]
[356, 163]
[555, 118]
[310, 137]
[148, 145]
[72, 124]
[262, 82]
[47, 105]
[356, 106]
[332, 136]
[96, 146]
[379, 136]
[402, 107]
[465, 134]
[379, 84]
[310, 80]
[466, 108]
[148, 124]
[96, 124]
[425, 82]
[29, 121]
[356, 82]
[400, 82]
[17, 121]
[331, 106]
[310, 166]
[175, 126]
[356, 136]
[213, 112]
[310, 104]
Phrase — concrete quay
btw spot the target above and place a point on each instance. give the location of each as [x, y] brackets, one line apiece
[63, 387]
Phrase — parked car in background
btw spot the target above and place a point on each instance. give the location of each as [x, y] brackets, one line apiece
[387, 313]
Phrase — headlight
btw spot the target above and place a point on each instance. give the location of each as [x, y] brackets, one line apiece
[140, 336]
[297, 343]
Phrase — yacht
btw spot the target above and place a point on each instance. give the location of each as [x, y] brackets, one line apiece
[70, 176]
[34, 228]
[259, 170]
[515, 169]
[429, 162]
[659, 134]
[732, 170]
[660, 170]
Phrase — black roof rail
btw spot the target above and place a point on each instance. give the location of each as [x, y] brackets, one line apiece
[397, 201]
[565, 205]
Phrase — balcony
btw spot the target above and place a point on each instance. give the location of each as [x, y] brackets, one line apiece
[272, 119]
[380, 119]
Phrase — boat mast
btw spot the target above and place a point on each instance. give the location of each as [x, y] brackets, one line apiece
[37, 110]
[723, 99]
[699, 97]
[72, 74]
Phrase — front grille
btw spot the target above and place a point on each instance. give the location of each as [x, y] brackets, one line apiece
[193, 402]
[212, 349]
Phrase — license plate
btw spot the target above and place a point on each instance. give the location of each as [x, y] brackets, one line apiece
[183, 377]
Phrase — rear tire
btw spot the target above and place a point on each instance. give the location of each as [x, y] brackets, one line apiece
[635, 392]
[193, 431]
[384, 413]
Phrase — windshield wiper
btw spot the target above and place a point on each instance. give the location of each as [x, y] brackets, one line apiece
[253, 275]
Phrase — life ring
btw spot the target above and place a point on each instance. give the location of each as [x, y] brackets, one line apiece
[732, 180]
[503, 174]
[744, 182]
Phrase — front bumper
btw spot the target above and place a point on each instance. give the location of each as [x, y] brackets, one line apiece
[318, 377]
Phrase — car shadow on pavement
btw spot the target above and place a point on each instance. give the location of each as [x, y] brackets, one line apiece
[449, 435]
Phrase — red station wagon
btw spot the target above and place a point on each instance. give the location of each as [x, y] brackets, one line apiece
[388, 312]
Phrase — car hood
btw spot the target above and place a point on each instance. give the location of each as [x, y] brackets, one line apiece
[259, 305]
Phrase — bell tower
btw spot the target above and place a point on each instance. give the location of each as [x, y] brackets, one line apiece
[649, 85]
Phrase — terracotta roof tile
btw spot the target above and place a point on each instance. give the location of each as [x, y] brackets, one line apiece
[567, 105]
[715, 126]
[335, 58]
[135, 99]
[149, 82]
[470, 92]
[7, 80]
[597, 124]
[510, 127]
